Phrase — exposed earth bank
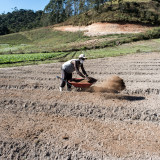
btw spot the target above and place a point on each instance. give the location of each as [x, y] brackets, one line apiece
[39, 122]
[97, 29]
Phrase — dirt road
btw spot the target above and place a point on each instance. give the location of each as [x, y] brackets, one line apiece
[38, 122]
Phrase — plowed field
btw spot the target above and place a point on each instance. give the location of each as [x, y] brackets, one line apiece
[37, 122]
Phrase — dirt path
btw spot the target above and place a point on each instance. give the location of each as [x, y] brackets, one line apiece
[39, 122]
[97, 29]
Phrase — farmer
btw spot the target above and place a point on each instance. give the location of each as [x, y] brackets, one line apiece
[69, 67]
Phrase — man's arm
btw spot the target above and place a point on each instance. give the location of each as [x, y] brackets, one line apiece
[76, 65]
[83, 70]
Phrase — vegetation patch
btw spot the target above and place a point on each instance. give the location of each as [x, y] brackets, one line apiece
[17, 58]
[129, 48]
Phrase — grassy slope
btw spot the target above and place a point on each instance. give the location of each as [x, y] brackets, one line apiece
[46, 40]
[129, 48]
[38, 40]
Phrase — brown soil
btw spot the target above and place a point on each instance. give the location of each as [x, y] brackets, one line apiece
[90, 80]
[39, 122]
[97, 29]
[112, 84]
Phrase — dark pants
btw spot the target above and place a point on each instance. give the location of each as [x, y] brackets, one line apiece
[66, 76]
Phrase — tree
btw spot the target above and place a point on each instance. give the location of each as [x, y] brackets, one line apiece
[19, 20]
[4, 30]
[68, 8]
[55, 10]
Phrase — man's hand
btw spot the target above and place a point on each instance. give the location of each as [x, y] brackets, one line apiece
[87, 78]
[91, 79]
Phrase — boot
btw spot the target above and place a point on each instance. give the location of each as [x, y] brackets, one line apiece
[60, 89]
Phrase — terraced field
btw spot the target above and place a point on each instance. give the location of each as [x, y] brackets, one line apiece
[39, 122]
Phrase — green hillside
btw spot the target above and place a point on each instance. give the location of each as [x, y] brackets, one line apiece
[48, 40]
[128, 11]
[38, 40]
